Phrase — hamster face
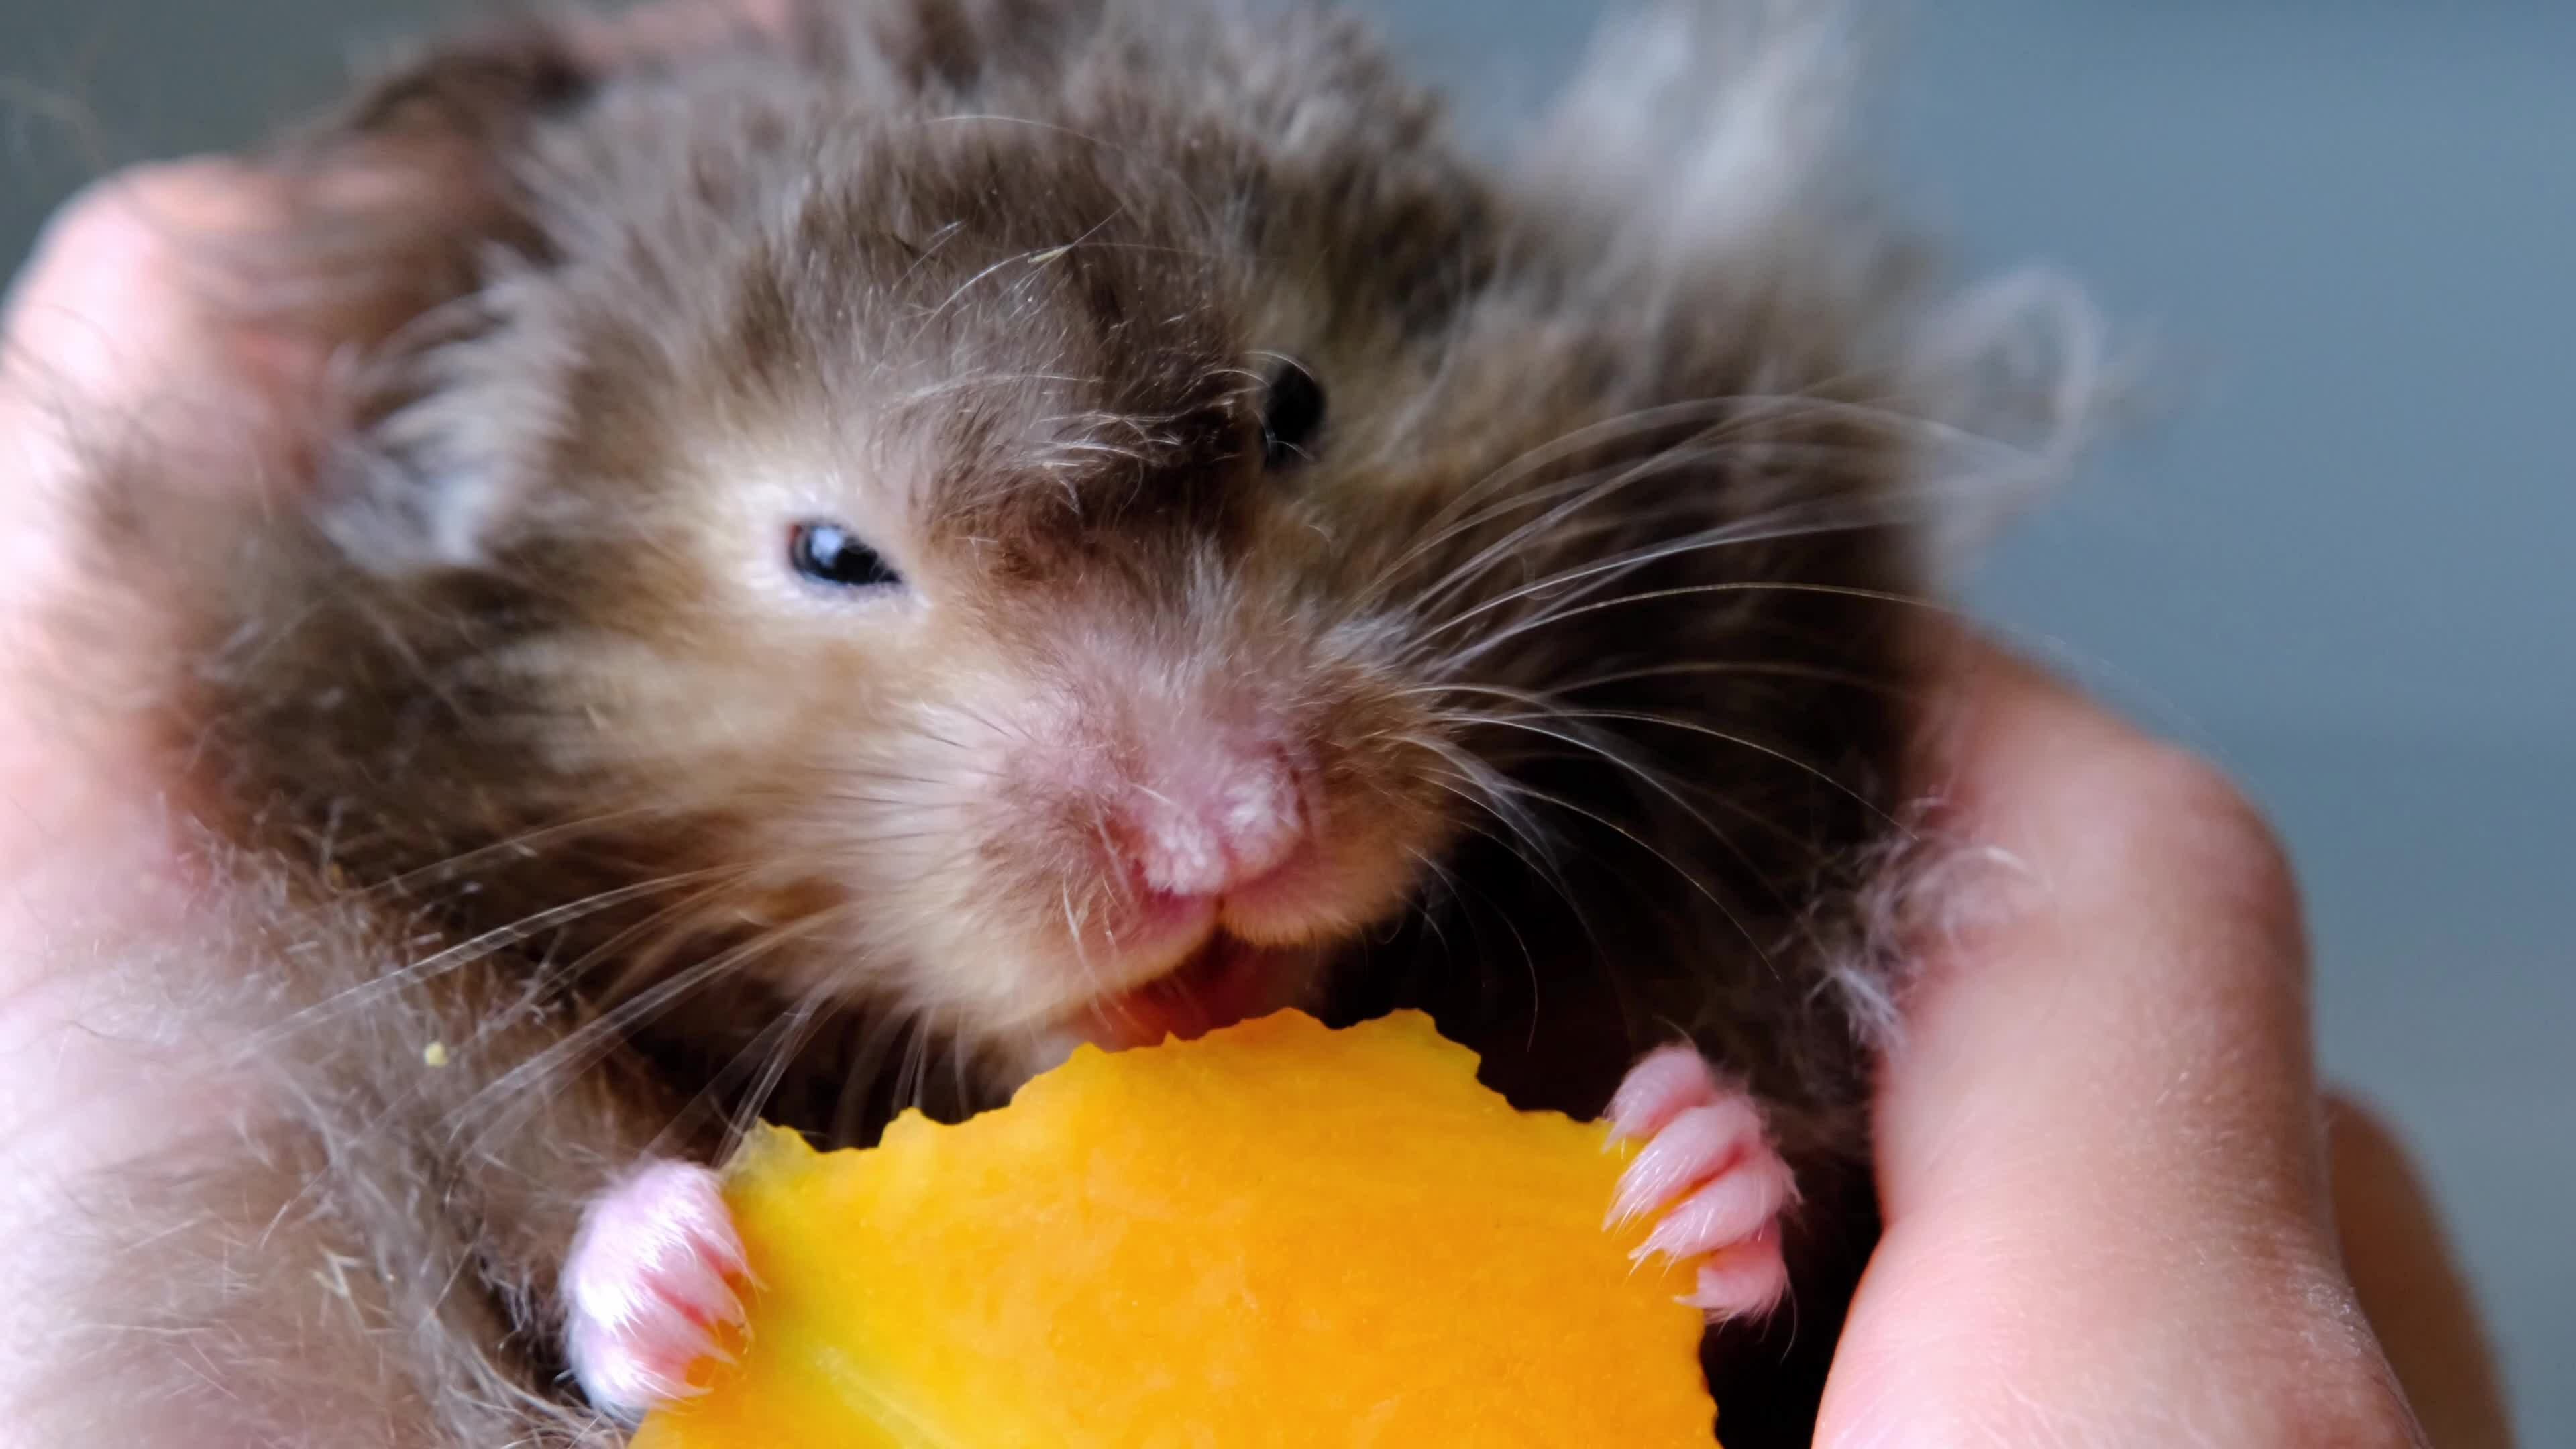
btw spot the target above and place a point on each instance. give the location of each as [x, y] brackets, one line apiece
[1070, 565]
[1004, 581]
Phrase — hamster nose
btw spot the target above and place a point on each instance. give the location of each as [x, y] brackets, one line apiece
[1227, 827]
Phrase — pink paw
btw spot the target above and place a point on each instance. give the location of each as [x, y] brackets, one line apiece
[649, 1281]
[1709, 1176]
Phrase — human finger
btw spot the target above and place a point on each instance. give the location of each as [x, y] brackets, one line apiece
[2100, 1151]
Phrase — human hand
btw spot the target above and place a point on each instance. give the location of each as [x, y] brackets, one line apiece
[2102, 1151]
[131, 323]
[105, 334]
[124, 329]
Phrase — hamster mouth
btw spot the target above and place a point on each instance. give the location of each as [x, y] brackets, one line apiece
[1224, 981]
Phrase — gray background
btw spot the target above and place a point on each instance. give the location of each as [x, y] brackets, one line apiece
[2341, 565]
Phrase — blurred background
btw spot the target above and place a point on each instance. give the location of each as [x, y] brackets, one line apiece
[2344, 564]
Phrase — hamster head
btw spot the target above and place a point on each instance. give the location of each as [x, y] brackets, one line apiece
[1066, 556]
[984, 585]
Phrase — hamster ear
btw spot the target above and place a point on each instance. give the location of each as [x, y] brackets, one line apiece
[398, 198]
[401, 206]
[410, 210]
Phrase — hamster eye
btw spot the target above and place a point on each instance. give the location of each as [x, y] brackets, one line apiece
[830, 554]
[1292, 417]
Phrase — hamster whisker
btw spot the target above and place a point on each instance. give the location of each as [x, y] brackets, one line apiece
[1737, 412]
[865, 1072]
[472, 949]
[1919, 429]
[891, 777]
[1711, 732]
[1549, 618]
[1572, 584]
[1081, 449]
[1074, 932]
[592, 1039]
[960, 1058]
[1688, 876]
[1544, 867]
[1458, 892]
[1661, 781]
[1563, 446]
[530, 999]
[912, 1078]
[888, 837]
[1778, 525]
[521, 844]
[1482, 899]
[1002, 728]
[1721, 412]
[1635, 518]
[1719, 798]
[639, 948]
[1594, 490]
[1525, 841]
[1738, 666]
[1710, 447]
[1547, 706]
[1480, 784]
[776, 1047]
[780, 1042]
[1914, 503]
[1445, 882]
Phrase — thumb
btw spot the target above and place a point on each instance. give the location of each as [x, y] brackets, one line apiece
[2100, 1150]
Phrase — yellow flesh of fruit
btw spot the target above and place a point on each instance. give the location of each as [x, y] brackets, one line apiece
[1274, 1235]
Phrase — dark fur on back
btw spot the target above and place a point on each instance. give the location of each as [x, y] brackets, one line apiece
[1597, 584]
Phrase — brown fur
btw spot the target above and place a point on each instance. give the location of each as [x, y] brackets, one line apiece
[521, 740]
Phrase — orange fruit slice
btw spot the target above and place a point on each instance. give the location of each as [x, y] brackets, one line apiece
[1276, 1235]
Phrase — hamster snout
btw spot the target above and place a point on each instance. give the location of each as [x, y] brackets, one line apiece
[1167, 838]
[1220, 823]
[1190, 810]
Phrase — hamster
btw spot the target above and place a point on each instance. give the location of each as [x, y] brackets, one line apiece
[853, 555]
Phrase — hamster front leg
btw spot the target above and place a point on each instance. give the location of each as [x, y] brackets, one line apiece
[651, 1278]
[1711, 1176]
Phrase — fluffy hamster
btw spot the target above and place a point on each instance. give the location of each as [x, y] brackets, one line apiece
[907, 534]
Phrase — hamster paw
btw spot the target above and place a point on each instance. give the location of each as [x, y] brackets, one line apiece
[1710, 1177]
[649, 1280]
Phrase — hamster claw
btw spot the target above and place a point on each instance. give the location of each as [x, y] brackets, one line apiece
[650, 1282]
[1710, 1178]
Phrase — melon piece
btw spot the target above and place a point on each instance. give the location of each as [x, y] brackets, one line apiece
[1274, 1235]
